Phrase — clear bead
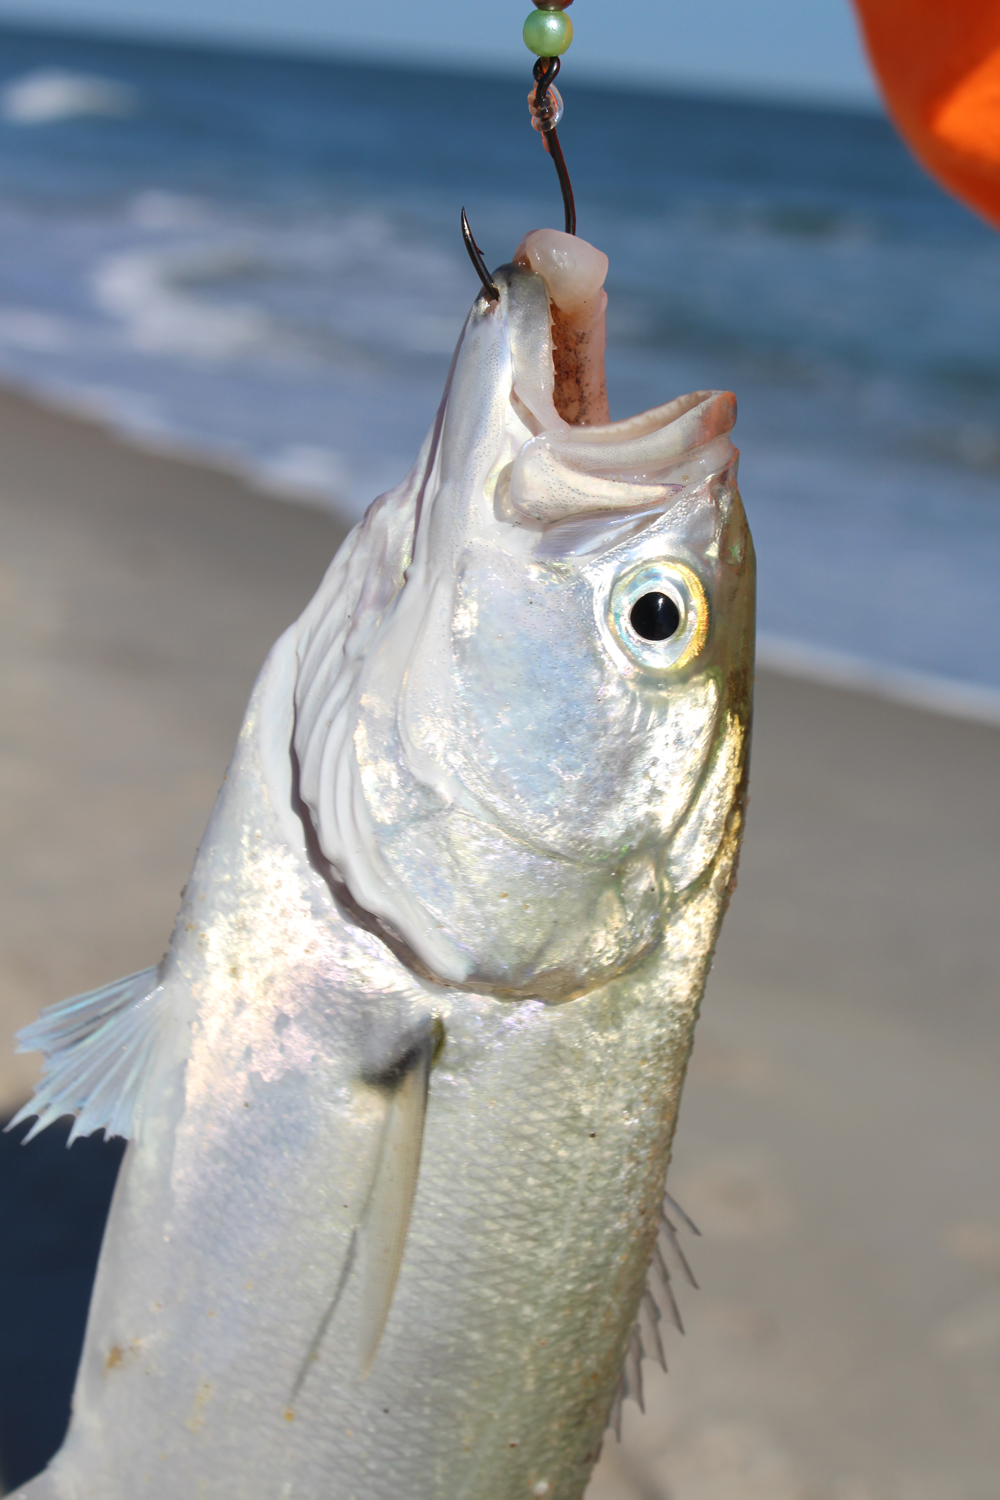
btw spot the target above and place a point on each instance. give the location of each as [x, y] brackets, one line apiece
[551, 111]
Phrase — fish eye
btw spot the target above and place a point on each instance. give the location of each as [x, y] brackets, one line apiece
[658, 614]
[655, 616]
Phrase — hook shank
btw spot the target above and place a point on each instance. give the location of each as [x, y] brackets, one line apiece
[545, 71]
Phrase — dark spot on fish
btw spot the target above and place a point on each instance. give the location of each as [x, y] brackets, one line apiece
[390, 1077]
[655, 617]
[114, 1358]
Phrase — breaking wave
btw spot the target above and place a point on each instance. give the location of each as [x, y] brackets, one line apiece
[47, 95]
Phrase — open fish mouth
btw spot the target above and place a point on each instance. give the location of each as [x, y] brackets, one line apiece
[512, 693]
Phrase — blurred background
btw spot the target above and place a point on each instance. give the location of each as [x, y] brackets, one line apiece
[231, 279]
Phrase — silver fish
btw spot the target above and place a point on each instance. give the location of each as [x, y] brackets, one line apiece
[402, 1092]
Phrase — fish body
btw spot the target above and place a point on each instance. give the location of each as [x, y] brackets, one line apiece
[403, 1089]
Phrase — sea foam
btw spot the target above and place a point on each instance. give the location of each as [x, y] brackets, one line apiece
[46, 95]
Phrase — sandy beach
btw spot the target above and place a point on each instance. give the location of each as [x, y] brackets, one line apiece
[838, 1139]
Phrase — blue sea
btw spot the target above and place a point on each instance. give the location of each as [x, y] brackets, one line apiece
[257, 258]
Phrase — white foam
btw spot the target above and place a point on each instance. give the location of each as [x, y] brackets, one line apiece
[333, 291]
[145, 291]
[46, 95]
[938, 695]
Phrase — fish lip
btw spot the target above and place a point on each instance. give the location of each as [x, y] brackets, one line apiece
[719, 417]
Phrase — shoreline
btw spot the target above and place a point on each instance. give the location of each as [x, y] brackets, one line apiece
[78, 409]
[949, 697]
[788, 657]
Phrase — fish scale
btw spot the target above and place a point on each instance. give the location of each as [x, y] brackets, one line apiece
[402, 1092]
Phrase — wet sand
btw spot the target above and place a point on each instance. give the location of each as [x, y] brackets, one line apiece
[838, 1140]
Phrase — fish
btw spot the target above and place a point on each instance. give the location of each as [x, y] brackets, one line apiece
[401, 1094]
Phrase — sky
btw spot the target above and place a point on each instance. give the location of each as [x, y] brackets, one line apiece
[791, 49]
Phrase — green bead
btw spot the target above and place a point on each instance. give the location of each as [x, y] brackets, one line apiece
[548, 33]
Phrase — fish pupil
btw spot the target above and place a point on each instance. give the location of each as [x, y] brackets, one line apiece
[655, 617]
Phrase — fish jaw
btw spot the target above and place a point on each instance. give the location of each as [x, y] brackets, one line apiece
[502, 783]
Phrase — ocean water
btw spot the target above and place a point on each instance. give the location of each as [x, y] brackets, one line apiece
[258, 258]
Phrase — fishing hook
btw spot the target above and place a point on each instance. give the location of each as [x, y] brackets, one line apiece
[546, 112]
[476, 256]
[546, 108]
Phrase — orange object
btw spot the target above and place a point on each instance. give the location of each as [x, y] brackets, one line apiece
[938, 62]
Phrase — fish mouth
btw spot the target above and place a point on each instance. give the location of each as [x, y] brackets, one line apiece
[578, 461]
[560, 470]
[638, 464]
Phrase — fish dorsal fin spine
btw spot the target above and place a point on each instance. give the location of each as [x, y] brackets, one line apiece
[658, 1303]
[98, 1049]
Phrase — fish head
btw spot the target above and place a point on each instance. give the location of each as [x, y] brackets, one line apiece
[522, 738]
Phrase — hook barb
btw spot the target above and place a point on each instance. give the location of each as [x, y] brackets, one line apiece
[476, 256]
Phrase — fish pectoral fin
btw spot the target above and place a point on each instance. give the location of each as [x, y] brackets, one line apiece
[405, 1082]
[98, 1049]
